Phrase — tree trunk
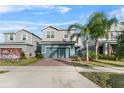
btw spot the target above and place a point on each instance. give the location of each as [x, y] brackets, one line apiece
[87, 50]
[96, 44]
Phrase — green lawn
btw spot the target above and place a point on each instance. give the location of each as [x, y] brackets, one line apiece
[100, 63]
[112, 63]
[105, 79]
[22, 62]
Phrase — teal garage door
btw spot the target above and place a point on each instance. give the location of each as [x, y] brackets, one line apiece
[57, 52]
[51, 52]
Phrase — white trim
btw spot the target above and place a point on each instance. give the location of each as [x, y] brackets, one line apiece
[59, 46]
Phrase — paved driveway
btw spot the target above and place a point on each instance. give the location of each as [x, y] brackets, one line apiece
[53, 62]
[48, 76]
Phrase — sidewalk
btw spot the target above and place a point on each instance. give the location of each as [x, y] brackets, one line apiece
[100, 69]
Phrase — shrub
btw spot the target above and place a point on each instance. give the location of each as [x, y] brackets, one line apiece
[80, 53]
[120, 52]
[23, 56]
[39, 55]
[92, 55]
[75, 58]
[112, 57]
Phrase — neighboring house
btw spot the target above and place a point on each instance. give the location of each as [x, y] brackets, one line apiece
[110, 44]
[18, 42]
[56, 43]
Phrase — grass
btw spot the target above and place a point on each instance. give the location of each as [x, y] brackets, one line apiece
[1, 72]
[112, 63]
[99, 63]
[88, 64]
[105, 79]
[22, 62]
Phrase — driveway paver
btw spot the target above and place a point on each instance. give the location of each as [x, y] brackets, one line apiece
[53, 62]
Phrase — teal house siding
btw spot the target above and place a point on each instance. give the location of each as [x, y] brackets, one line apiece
[58, 50]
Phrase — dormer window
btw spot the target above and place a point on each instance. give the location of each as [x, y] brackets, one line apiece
[11, 37]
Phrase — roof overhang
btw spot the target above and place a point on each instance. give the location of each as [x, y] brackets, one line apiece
[57, 42]
[15, 43]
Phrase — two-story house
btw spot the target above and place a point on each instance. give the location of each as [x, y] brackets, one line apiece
[56, 43]
[109, 45]
[17, 42]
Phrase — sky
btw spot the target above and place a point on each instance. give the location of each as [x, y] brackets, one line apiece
[34, 18]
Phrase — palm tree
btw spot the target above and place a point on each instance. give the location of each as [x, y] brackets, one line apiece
[98, 24]
[82, 30]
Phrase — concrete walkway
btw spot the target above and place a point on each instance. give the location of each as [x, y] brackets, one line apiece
[43, 77]
[100, 69]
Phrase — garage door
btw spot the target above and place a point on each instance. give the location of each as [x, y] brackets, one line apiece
[10, 53]
[53, 52]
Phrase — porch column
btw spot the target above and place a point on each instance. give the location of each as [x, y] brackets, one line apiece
[105, 49]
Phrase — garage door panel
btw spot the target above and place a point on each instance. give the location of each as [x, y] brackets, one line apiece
[51, 52]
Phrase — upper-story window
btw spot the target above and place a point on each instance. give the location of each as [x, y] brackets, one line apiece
[113, 35]
[24, 37]
[11, 37]
[66, 34]
[50, 34]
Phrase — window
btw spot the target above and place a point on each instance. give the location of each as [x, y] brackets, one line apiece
[113, 35]
[48, 34]
[66, 34]
[43, 49]
[52, 34]
[11, 36]
[24, 37]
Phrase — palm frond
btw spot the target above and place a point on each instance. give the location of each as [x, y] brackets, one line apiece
[74, 27]
[75, 35]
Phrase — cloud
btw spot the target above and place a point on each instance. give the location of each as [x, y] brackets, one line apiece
[18, 8]
[63, 10]
[119, 13]
[60, 9]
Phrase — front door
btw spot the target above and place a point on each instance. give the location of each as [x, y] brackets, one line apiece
[61, 53]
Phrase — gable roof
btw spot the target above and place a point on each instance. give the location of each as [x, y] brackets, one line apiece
[22, 30]
[54, 28]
